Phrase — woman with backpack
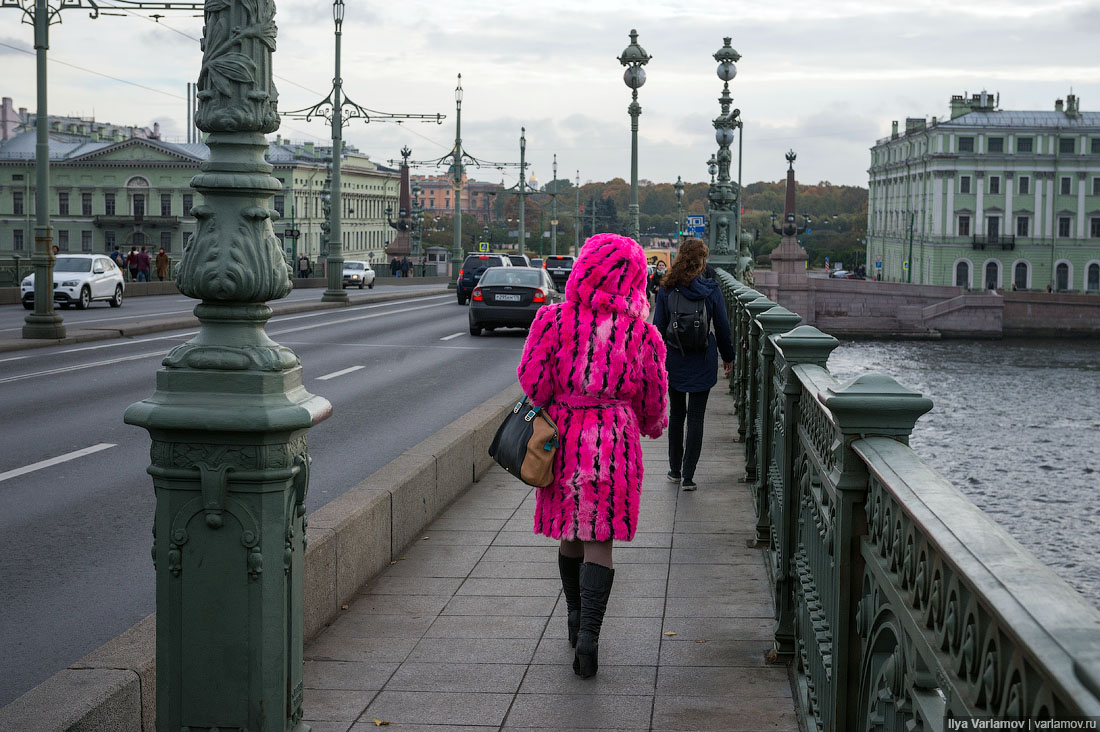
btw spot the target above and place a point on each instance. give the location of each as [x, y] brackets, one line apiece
[688, 305]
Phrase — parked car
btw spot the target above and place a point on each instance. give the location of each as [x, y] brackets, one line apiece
[558, 266]
[536, 262]
[358, 273]
[472, 269]
[520, 260]
[80, 279]
[838, 274]
[510, 297]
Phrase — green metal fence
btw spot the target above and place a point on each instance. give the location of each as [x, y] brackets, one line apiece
[900, 604]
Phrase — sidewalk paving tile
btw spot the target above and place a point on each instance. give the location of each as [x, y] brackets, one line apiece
[466, 630]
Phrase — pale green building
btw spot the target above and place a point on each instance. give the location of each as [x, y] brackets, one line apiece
[107, 192]
[989, 198]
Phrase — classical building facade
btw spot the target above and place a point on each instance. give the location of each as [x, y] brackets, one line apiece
[137, 192]
[989, 199]
[437, 196]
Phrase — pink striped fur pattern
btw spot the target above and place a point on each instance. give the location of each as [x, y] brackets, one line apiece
[599, 368]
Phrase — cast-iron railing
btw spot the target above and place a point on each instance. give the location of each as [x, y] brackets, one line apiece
[900, 604]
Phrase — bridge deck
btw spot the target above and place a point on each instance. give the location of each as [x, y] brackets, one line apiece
[467, 630]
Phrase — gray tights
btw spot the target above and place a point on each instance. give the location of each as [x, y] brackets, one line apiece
[594, 552]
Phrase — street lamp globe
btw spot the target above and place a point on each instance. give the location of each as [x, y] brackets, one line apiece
[724, 136]
[338, 11]
[458, 90]
[634, 77]
[727, 70]
[678, 186]
[712, 166]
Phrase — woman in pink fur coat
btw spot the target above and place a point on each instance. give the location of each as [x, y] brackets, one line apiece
[598, 367]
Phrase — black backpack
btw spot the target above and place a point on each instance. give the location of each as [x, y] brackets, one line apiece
[688, 324]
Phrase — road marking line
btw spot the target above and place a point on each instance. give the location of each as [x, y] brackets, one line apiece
[13, 358]
[452, 335]
[77, 367]
[341, 372]
[313, 326]
[129, 342]
[55, 460]
[355, 308]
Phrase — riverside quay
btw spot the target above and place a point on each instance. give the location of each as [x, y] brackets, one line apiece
[246, 498]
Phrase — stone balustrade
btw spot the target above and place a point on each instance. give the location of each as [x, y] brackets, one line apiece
[900, 604]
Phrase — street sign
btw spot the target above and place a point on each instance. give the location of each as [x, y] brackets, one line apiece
[292, 233]
[696, 225]
[483, 246]
[905, 265]
[878, 265]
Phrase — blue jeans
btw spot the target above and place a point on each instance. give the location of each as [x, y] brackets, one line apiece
[690, 407]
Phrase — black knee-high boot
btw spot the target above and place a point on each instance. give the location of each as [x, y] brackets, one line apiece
[570, 570]
[595, 583]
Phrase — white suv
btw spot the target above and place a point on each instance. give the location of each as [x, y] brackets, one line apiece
[78, 279]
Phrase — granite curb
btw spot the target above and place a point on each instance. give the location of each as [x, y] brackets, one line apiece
[350, 540]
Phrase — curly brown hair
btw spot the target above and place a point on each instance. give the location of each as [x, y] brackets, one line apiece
[691, 260]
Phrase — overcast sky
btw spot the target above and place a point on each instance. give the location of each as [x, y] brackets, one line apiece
[825, 78]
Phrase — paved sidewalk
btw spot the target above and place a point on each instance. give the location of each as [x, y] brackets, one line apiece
[467, 631]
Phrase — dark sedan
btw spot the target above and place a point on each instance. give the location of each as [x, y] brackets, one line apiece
[510, 297]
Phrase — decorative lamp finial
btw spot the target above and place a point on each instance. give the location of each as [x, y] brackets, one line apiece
[791, 158]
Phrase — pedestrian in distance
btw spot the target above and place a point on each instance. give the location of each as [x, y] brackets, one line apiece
[395, 267]
[163, 262]
[119, 259]
[143, 265]
[689, 305]
[597, 366]
[405, 266]
[304, 266]
[132, 263]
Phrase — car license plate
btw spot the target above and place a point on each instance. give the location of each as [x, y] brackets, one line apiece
[508, 298]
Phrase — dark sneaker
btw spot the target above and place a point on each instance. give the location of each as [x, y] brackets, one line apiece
[673, 477]
[689, 485]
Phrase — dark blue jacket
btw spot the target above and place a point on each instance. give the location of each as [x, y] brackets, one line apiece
[697, 371]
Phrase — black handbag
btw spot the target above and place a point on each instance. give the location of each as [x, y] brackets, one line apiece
[525, 444]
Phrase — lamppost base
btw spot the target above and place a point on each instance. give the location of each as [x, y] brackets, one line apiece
[335, 296]
[43, 326]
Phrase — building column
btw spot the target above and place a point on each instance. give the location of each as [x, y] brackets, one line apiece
[1049, 223]
[937, 204]
[1010, 181]
[1081, 187]
[979, 213]
[951, 222]
[1039, 178]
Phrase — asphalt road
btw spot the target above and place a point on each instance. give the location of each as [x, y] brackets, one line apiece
[100, 314]
[75, 533]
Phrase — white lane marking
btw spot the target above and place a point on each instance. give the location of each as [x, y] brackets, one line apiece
[13, 358]
[355, 308]
[452, 335]
[55, 460]
[78, 367]
[129, 342]
[313, 326]
[341, 372]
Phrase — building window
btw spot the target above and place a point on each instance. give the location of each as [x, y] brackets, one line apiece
[966, 144]
[62, 203]
[964, 226]
[1025, 185]
[109, 204]
[1025, 144]
[166, 204]
[1065, 186]
[1092, 278]
[109, 240]
[85, 204]
[1063, 226]
[188, 203]
[17, 203]
[139, 205]
[996, 144]
[962, 274]
[1094, 228]
[280, 204]
[964, 184]
[17, 240]
[63, 240]
[1020, 276]
[1021, 225]
[994, 185]
[1096, 186]
[1095, 145]
[19, 176]
[85, 241]
[1066, 145]
[1061, 277]
[992, 275]
[166, 240]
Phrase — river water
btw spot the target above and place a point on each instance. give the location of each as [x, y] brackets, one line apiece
[1016, 428]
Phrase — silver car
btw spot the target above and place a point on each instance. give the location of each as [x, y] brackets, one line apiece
[358, 273]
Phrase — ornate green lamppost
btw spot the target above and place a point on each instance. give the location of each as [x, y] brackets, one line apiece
[339, 110]
[45, 322]
[228, 422]
[634, 58]
[577, 219]
[417, 216]
[523, 190]
[722, 197]
[678, 186]
[554, 210]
